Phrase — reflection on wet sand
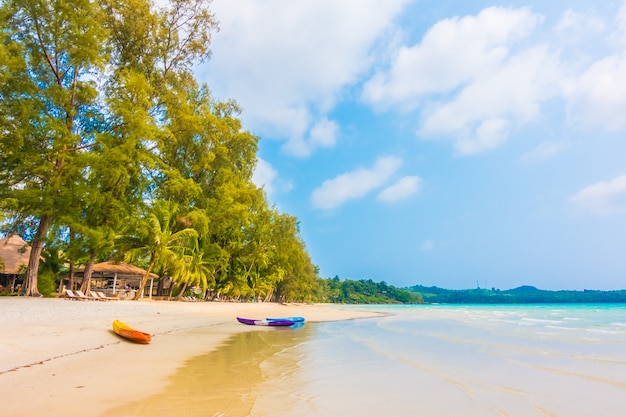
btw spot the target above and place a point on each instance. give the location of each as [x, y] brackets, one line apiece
[224, 382]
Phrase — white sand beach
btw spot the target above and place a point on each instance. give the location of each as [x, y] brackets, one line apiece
[60, 357]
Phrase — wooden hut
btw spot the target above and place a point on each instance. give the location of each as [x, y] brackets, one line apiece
[14, 254]
[118, 278]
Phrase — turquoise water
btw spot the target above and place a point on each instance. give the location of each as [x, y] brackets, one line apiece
[539, 360]
[435, 360]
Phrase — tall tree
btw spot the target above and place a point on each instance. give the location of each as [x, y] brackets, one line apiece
[114, 184]
[52, 51]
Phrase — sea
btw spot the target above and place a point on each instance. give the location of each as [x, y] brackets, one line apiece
[549, 360]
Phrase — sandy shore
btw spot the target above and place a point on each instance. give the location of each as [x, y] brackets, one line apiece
[60, 357]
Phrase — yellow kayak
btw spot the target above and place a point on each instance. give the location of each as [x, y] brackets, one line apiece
[131, 334]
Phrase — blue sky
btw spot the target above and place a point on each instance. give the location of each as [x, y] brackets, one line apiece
[446, 143]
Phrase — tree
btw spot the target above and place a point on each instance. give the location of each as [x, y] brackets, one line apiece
[207, 164]
[195, 270]
[138, 94]
[83, 82]
[300, 275]
[50, 53]
[157, 240]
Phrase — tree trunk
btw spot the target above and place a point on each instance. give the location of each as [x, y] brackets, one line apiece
[182, 291]
[86, 285]
[144, 281]
[160, 286]
[71, 283]
[35, 254]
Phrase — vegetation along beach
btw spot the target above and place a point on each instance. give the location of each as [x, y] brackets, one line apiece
[312, 208]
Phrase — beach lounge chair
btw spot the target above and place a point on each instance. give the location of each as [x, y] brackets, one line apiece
[69, 295]
[103, 296]
[82, 295]
[96, 296]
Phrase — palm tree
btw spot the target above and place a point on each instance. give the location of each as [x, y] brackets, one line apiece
[195, 271]
[157, 240]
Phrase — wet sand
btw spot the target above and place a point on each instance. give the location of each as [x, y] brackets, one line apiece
[61, 358]
[229, 381]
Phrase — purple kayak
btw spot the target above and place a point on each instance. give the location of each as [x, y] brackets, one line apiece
[253, 322]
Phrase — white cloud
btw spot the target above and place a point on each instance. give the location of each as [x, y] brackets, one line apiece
[473, 84]
[620, 33]
[402, 189]
[480, 116]
[544, 150]
[264, 175]
[452, 53]
[603, 198]
[287, 62]
[489, 134]
[356, 184]
[322, 135]
[598, 96]
[573, 22]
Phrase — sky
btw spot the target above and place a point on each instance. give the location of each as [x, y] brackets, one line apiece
[442, 143]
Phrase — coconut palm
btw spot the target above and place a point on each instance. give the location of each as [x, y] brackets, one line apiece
[157, 240]
[195, 271]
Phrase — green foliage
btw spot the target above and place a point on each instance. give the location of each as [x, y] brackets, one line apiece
[520, 295]
[49, 106]
[159, 240]
[46, 284]
[365, 292]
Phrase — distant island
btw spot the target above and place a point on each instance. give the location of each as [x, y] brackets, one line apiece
[521, 295]
[348, 291]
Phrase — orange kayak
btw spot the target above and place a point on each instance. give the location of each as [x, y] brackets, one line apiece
[131, 334]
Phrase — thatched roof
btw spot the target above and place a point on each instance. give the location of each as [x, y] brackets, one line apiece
[14, 253]
[122, 269]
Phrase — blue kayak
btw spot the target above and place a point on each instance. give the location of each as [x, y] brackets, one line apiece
[253, 322]
[294, 319]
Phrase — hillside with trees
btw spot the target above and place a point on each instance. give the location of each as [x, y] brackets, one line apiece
[521, 295]
[348, 291]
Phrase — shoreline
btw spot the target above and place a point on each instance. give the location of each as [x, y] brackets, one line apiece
[60, 357]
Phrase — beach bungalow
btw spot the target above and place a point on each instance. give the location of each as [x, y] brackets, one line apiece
[119, 279]
[14, 254]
